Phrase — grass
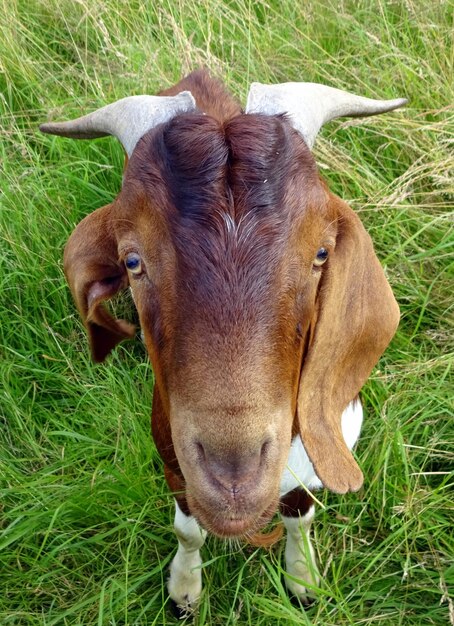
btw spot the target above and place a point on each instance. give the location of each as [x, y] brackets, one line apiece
[85, 525]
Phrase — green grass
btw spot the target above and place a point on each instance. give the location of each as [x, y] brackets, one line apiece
[85, 523]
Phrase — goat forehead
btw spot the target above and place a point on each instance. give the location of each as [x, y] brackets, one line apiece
[230, 194]
[218, 175]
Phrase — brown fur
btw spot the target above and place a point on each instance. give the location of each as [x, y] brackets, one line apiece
[296, 503]
[248, 340]
[211, 95]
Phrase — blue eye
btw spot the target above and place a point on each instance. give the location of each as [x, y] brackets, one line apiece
[133, 263]
[320, 257]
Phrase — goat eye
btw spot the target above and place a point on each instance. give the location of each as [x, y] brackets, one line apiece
[320, 257]
[133, 263]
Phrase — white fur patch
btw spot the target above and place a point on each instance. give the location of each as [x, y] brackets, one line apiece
[185, 581]
[300, 470]
[299, 556]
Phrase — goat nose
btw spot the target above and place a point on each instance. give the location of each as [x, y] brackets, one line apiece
[232, 469]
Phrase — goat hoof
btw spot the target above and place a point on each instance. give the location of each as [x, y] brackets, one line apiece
[304, 602]
[181, 611]
[298, 595]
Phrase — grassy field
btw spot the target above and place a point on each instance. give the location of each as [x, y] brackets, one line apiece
[85, 516]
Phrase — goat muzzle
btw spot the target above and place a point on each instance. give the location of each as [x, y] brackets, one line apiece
[235, 472]
[233, 492]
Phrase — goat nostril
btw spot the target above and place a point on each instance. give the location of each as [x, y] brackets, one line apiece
[200, 451]
[265, 449]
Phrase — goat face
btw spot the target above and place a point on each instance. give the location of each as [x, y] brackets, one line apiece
[222, 230]
[222, 224]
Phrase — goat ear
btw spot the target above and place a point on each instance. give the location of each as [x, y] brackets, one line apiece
[357, 318]
[94, 275]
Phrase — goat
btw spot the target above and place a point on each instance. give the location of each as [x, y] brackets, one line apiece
[262, 303]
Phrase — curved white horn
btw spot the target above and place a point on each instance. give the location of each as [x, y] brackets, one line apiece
[310, 105]
[127, 119]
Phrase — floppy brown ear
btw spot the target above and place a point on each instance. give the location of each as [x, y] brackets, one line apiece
[357, 318]
[94, 275]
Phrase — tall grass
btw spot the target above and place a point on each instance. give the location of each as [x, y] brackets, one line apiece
[85, 526]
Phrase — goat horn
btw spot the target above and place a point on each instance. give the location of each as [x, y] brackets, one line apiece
[310, 105]
[127, 119]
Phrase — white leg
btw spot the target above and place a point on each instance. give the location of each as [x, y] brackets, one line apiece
[185, 582]
[299, 556]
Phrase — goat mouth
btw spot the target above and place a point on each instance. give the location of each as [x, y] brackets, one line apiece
[231, 525]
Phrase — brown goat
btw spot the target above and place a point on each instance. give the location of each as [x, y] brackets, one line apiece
[262, 303]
